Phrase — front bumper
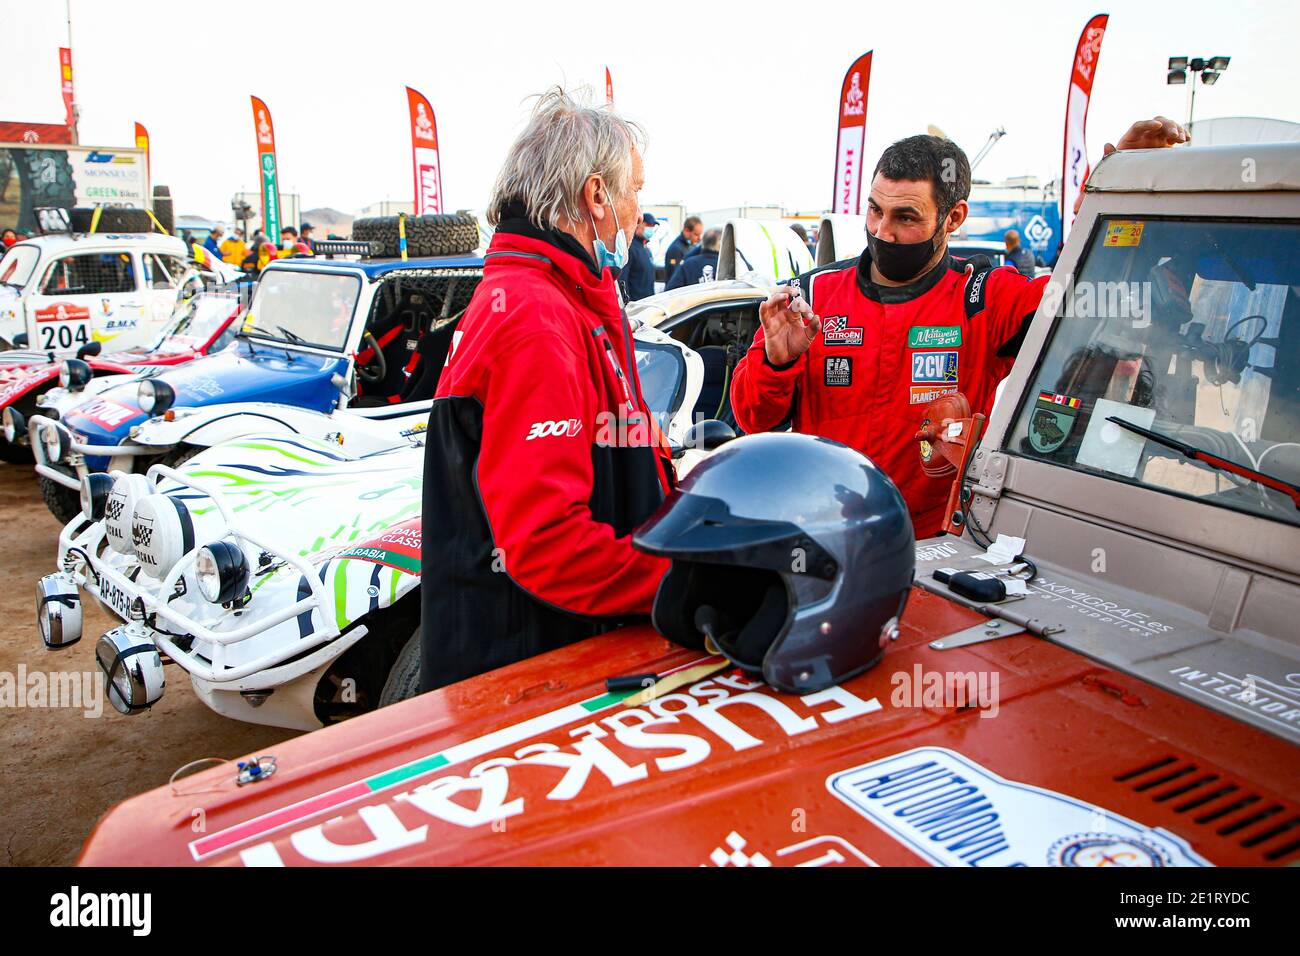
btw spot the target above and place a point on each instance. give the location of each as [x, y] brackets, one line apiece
[73, 453]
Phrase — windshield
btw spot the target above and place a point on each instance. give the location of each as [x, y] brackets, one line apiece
[311, 308]
[199, 317]
[1186, 328]
[661, 369]
[18, 265]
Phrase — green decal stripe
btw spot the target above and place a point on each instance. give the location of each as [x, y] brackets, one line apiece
[776, 268]
[341, 592]
[392, 777]
[258, 446]
[607, 700]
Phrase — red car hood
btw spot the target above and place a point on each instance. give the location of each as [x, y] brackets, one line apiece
[536, 764]
[17, 380]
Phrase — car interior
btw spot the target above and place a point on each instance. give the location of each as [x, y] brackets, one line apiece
[721, 333]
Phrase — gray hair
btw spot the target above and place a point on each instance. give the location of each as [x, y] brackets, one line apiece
[564, 144]
[712, 239]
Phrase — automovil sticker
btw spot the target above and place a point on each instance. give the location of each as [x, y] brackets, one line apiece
[1050, 424]
[934, 366]
[839, 370]
[953, 812]
[1123, 232]
[933, 336]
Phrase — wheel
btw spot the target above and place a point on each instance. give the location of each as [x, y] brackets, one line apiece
[111, 219]
[163, 210]
[442, 235]
[64, 503]
[404, 679]
[46, 178]
[176, 457]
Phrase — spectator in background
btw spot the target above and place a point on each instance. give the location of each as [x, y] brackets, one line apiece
[234, 249]
[9, 238]
[288, 239]
[639, 276]
[259, 237]
[1018, 255]
[692, 229]
[213, 242]
[306, 239]
[702, 267]
[802, 233]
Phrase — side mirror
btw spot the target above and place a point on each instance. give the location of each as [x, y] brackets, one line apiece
[706, 436]
[21, 340]
[90, 349]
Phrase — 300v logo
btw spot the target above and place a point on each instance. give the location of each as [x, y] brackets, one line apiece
[560, 428]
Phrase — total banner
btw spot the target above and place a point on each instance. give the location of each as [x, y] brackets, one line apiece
[65, 83]
[142, 142]
[1074, 160]
[852, 137]
[424, 155]
[268, 174]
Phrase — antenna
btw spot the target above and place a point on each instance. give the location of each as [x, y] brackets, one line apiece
[996, 135]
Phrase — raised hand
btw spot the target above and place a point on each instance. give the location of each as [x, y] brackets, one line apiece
[789, 325]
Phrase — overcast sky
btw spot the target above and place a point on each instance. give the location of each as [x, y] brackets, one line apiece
[739, 101]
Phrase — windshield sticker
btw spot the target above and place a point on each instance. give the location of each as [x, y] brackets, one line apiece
[952, 811]
[1108, 447]
[1123, 233]
[933, 336]
[559, 753]
[1054, 416]
[1277, 703]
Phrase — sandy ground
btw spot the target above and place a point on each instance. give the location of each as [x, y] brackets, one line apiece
[60, 770]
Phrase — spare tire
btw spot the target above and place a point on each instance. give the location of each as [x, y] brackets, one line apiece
[441, 235]
[111, 219]
[163, 212]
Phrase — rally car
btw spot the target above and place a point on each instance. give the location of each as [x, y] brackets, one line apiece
[281, 572]
[201, 324]
[358, 340]
[1132, 697]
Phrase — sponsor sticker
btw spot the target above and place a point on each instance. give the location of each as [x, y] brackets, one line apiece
[924, 394]
[933, 336]
[1123, 232]
[837, 331]
[1050, 424]
[934, 366]
[951, 811]
[561, 428]
[398, 547]
[839, 370]
[107, 413]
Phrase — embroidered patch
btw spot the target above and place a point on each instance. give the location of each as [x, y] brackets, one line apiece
[837, 331]
[839, 370]
[934, 366]
[933, 336]
[925, 394]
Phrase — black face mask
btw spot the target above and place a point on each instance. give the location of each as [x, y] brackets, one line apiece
[901, 261]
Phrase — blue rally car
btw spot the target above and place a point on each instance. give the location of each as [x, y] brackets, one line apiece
[342, 349]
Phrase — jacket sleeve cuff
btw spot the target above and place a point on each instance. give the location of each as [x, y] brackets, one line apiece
[785, 367]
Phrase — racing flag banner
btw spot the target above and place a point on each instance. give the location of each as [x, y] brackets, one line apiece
[852, 136]
[65, 82]
[609, 88]
[267, 172]
[142, 142]
[424, 155]
[1074, 162]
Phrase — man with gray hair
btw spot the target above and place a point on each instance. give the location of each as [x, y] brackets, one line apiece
[541, 453]
[700, 268]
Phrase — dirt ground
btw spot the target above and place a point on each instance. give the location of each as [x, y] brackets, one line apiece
[60, 770]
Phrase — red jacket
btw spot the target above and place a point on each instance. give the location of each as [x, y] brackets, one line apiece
[529, 505]
[882, 355]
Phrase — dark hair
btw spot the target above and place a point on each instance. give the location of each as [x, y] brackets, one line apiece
[690, 223]
[932, 159]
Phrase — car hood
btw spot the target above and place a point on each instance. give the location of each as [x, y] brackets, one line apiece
[239, 374]
[535, 764]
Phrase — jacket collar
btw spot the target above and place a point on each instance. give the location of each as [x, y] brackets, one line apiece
[894, 295]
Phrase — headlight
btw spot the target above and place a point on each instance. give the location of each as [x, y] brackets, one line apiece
[95, 489]
[14, 424]
[74, 374]
[162, 532]
[221, 571]
[58, 611]
[120, 507]
[56, 441]
[155, 397]
[133, 667]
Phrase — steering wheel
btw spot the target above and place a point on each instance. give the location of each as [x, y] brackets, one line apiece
[376, 370]
[1226, 360]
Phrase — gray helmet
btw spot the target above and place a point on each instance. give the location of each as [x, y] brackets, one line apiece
[794, 553]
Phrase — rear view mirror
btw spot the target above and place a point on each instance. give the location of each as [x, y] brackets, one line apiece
[20, 340]
[90, 349]
[705, 436]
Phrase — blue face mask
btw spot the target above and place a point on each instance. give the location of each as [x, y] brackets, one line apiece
[649, 233]
[604, 258]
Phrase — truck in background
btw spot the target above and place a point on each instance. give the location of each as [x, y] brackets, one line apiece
[33, 176]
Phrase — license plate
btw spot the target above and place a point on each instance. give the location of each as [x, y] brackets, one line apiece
[117, 600]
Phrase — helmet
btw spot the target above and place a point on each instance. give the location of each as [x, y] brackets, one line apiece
[794, 553]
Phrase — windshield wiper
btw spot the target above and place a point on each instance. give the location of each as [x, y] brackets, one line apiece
[1192, 453]
[291, 336]
[249, 327]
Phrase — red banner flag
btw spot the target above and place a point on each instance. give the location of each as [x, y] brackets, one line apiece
[35, 133]
[424, 155]
[1074, 160]
[609, 88]
[142, 142]
[852, 135]
[267, 173]
[65, 80]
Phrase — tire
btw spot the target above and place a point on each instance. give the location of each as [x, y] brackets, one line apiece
[163, 210]
[46, 178]
[64, 503]
[174, 459]
[443, 235]
[111, 219]
[404, 679]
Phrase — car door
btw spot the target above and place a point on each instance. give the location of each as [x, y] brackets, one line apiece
[85, 297]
